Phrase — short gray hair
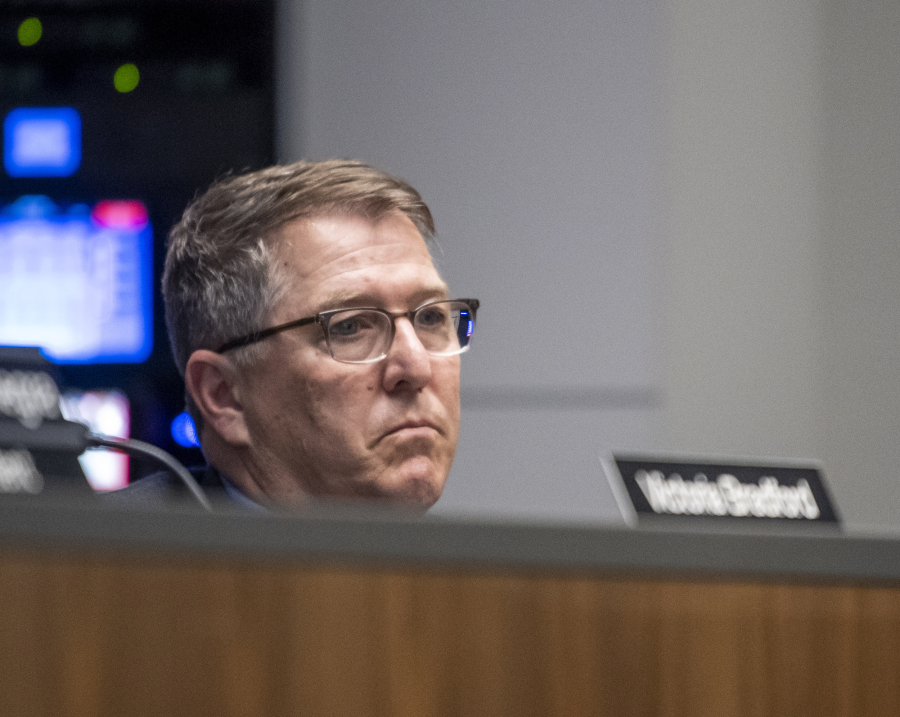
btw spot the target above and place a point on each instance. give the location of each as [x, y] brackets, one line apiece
[219, 280]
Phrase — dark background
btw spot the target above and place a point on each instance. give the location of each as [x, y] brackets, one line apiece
[203, 108]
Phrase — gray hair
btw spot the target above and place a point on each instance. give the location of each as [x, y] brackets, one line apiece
[219, 280]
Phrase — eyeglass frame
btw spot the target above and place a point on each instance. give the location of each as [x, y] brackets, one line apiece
[324, 317]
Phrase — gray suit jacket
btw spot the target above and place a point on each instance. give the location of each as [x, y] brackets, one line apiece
[165, 488]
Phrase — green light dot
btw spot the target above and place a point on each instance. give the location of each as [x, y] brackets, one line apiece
[126, 78]
[30, 31]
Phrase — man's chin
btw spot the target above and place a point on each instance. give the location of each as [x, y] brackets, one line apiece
[419, 495]
[416, 484]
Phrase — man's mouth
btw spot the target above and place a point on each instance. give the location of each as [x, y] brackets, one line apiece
[413, 427]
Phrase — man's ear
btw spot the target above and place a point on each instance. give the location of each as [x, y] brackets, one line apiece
[211, 380]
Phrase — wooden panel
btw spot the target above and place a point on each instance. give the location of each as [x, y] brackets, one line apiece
[85, 635]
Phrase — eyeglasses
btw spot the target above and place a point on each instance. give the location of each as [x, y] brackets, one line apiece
[365, 335]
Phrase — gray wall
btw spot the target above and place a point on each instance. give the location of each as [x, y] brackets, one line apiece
[678, 216]
[860, 255]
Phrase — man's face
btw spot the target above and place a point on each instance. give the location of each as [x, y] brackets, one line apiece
[320, 427]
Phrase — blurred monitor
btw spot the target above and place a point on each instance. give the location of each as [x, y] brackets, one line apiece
[42, 142]
[119, 100]
[76, 280]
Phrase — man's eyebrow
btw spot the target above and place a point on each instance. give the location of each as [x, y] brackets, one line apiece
[350, 299]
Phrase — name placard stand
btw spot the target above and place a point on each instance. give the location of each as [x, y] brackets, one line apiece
[653, 488]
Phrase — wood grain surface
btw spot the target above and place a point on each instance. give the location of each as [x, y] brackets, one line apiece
[84, 634]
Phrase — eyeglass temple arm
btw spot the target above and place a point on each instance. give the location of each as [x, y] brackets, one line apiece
[264, 334]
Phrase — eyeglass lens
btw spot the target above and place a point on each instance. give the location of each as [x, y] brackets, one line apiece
[360, 335]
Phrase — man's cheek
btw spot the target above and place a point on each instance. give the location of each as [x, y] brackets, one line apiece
[340, 428]
[316, 402]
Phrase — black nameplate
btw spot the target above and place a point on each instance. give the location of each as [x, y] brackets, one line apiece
[691, 488]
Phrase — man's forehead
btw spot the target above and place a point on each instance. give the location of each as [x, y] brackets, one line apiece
[334, 261]
[311, 243]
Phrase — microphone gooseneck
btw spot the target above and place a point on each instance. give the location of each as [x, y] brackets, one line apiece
[140, 448]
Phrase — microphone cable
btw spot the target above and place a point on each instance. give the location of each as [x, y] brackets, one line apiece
[147, 450]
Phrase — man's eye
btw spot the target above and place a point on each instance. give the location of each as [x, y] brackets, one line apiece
[433, 317]
[345, 327]
[354, 326]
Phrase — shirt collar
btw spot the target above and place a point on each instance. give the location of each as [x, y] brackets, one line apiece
[235, 495]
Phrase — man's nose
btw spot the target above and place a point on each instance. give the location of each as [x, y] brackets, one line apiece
[408, 364]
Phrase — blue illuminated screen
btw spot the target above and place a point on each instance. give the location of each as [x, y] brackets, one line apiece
[77, 280]
[42, 142]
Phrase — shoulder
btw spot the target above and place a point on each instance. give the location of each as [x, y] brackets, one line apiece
[163, 488]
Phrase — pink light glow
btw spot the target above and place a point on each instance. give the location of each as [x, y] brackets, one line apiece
[120, 214]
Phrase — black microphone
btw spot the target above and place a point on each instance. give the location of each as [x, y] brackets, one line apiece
[38, 447]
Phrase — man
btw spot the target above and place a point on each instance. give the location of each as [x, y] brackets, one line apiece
[318, 344]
